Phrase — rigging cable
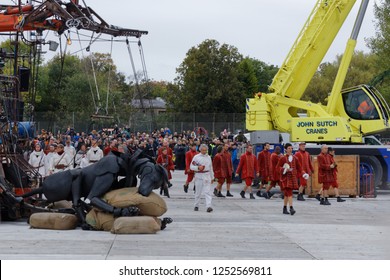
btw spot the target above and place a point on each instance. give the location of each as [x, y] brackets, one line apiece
[135, 76]
[109, 77]
[86, 72]
[141, 52]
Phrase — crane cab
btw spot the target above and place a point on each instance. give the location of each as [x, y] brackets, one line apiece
[365, 109]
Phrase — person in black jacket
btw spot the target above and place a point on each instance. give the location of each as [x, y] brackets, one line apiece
[180, 150]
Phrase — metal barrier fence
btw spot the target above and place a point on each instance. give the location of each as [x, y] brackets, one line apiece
[214, 123]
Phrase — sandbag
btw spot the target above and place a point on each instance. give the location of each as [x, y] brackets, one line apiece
[58, 221]
[100, 220]
[152, 205]
[135, 225]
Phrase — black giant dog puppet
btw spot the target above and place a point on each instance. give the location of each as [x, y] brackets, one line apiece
[93, 181]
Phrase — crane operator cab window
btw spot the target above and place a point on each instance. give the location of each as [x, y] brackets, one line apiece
[359, 106]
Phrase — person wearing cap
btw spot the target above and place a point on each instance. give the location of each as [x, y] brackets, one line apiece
[290, 170]
[60, 161]
[264, 163]
[307, 166]
[334, 183]
[37, 160]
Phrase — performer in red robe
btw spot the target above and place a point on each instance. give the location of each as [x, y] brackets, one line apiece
[264, 163]
[307, 167]
[190, 173]
[223, 170]
[327, 175]
[248, 168]
[166, 161]
[290, 170]
[275, 176]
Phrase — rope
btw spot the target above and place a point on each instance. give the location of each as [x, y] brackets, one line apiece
[86, 72]
[141, 52]
[109, 77]
[96, 85]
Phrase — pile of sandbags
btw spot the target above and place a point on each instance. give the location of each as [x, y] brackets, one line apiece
[151, 208]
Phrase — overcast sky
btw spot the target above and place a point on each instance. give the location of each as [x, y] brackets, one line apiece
[262, 29]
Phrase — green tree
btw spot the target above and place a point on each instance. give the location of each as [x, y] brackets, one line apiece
[264, 74]
[23, 55]
[247, 76]
[361, 70]
[209, 80]
[379, 45]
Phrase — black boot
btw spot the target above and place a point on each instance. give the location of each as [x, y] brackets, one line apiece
[185, 188]
[229, 194]
[259, 193]
[252, 196]
[242, 193]
[266, 195]
[292, 211]
[219, 194]
[322, 201]
[215, 192]
[339, 199]
[285, 210]
[300, 197]
[318, 197]
[326, 202]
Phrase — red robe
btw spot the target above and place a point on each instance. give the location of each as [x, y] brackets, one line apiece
[189, 156]
[226, 165]
[289, 180]
[305, 161]
[222, 165]
[247, 166]
[264, 162]
[167, 163]
[275, 174]
[325, 173]
[217, 166]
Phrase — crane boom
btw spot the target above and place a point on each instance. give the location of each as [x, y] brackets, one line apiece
[310, 47]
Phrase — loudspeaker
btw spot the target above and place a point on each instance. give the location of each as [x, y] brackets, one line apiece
[24, 78]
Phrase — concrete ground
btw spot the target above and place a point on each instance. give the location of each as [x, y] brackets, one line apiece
[237, 229]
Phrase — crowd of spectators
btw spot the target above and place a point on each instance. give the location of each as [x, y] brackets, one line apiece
[123, 140]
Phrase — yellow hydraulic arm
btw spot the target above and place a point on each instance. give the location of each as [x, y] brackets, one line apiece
[310, 47]
[345, 61]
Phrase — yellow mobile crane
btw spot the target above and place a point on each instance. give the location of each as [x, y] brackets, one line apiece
[348, 115]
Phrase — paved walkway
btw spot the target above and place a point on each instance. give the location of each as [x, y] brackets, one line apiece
[237, 229]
